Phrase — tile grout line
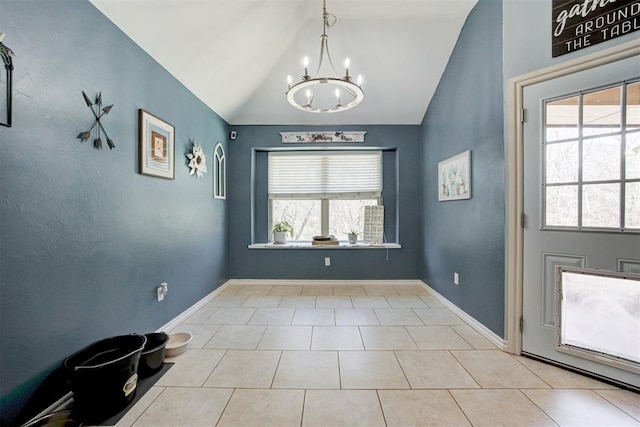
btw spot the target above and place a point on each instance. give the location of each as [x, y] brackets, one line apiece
[214, 368]
[530, 370]
[465, 368]
[148, 406]
[304, 401]
[411, 336]
[339, 370]
[384, 418]
[361, 339]
[402, 369]
[537, 406]
[376, 315]
[458, 405]
[226, 406]
[424, 323]
[261, 337]
[595, 390]
[276, 370]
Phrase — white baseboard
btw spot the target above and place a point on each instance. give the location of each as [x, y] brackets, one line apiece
[305, 282]
[479, 327]
[193, 309]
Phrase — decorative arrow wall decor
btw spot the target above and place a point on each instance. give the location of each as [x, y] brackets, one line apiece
[98, 113]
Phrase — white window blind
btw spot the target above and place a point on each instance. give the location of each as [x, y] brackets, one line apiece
[327, 174]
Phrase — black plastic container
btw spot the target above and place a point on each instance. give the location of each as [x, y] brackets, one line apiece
[103, 376]
[152, 355]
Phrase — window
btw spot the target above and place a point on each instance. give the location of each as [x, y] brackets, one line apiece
[219, 173]
[323, 192]
[592, 160]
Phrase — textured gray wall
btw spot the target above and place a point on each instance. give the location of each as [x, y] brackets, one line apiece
[85, 239]
[467, 236]
[309, 264]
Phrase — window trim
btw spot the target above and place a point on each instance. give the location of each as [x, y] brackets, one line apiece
[259, 217]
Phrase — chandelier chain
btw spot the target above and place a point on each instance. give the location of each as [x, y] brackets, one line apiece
[325, 18]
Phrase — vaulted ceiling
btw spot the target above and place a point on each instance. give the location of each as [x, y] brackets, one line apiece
[235, 54]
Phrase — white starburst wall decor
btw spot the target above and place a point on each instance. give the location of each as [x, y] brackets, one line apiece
[197, 160]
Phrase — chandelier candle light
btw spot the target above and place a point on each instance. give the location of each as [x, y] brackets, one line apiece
[352, 92]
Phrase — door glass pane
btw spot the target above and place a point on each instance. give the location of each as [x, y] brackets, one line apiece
[633, 106]
[632, 156]
[601, 159]
[601, 314]
[303, 215]
[562, 206]
[601, 205]
[561, 118]
[562, 162]
[586, 145]
[632, 205]
[602, 111]
[347, 215]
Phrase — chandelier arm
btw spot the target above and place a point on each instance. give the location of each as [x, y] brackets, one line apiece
[326, 43]
[321, 56]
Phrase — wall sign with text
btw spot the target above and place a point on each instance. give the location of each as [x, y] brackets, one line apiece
[577, 24]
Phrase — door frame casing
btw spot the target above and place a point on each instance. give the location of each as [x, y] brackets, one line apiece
[515, 173]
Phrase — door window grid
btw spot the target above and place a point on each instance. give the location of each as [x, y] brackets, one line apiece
[583, 189]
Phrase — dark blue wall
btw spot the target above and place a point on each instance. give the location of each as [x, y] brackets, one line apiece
[467, 236]
[403, 158]
[85, 239]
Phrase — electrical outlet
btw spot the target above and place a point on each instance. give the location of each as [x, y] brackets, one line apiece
[160, 293]
[165, 288]
[456, 279]
[327, 262]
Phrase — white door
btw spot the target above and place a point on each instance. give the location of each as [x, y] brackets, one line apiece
[581, 199]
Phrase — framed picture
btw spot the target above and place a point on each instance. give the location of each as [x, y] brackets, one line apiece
[156, 151]
[454, 177]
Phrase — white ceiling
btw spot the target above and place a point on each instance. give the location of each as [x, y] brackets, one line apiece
[235, 54]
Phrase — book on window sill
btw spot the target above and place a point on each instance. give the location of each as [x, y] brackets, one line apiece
[324, 241]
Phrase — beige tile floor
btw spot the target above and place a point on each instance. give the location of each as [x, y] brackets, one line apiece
[360, 356]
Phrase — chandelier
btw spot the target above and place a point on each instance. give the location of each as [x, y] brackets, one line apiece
[316, 94]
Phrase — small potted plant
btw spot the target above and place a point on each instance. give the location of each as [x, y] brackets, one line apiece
[353, 236]
[280, 231]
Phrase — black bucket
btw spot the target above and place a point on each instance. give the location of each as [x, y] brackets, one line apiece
[153, 354]
[103, 376]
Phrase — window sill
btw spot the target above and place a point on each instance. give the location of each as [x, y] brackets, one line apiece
[308, 245]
